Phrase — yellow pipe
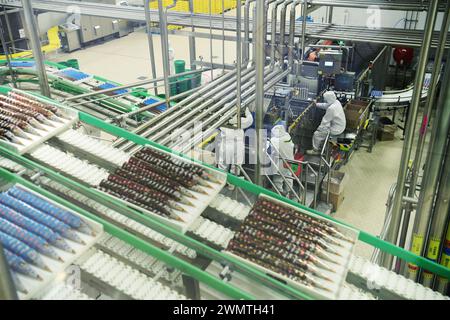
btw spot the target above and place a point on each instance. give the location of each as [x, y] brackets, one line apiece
[211, 138]
[53, 44]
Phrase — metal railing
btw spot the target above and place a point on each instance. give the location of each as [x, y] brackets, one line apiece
[306, 169]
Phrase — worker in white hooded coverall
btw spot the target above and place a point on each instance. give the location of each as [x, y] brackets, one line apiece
[333, 122]
[282, 147]
[230, 148]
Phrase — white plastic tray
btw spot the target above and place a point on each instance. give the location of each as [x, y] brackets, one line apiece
[60, 74]
[200, 204]
[341, 266]
[46, 133]
[35, 287]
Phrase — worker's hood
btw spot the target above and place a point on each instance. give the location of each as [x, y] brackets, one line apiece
[329, 97]
[279, 132]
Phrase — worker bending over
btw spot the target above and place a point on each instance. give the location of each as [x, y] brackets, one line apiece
[282, 147]
[333, 121]
[230, 147]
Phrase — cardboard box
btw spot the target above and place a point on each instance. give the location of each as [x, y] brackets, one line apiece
[355, 113]
[385, 136]
[338, 181]
[335, 199]
[387, 129]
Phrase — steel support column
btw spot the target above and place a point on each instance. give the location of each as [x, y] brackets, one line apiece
[165, 50]
[259, 102]
[430, 102]
[192, 44]
[238, 60]
[439, 220]
[397, 209]
[304, 14]
[151, 48]
[433, 172]
[32, 30]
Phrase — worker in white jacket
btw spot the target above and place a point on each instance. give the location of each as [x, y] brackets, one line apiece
[230, 147]
[333, 122]
[282, 147]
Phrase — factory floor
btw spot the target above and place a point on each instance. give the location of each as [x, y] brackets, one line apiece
[127, 59]
[371, 175]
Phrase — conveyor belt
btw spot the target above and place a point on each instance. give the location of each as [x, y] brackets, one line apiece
[63, 291]
[138, 259]
[387, 284]
[401, 97]
[129, 281]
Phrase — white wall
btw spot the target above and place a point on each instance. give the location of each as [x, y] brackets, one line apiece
[360, 17]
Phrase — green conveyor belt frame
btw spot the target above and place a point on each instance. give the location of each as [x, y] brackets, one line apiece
[169, 232]
[68, 87]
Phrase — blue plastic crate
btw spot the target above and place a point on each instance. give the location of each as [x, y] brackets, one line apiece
[376, 93]
[150, 101]
[22, 64]
[108, 85]
[73, 74]
[309, 19]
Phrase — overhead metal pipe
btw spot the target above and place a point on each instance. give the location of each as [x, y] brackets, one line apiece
[259, 100]
[292, 33]
[214, 94]
[397, 209]
[192, 43]
[246, 53]
[266, 20]
[274, 31]
[238, 61]
[305, 15]
[217, 110]
[433, 171]
[430, 102]
[439, 219]
[230, 113]
[431, 98]
[171, 114]
[330, 14]
[223, 109]
[151, 47]
[283, 29]
[165, 128]
[32, 30]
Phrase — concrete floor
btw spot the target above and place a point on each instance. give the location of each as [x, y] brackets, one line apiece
[127, 59]
[371, 175]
